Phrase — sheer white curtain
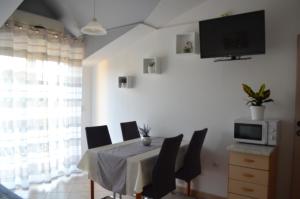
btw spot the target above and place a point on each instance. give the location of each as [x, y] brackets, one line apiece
[40, 105]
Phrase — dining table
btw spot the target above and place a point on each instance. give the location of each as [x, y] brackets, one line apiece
[125, 167]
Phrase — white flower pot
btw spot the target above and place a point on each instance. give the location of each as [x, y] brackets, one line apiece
[150, 69]
[123, 85]
[257, 112]
[146, 141]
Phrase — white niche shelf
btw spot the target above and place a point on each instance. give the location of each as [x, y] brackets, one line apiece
[151, 65]
[125, 81]
[187, 43]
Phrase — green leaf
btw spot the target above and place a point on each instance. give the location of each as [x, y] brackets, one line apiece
[259, 102]
[261, 90]
[259, 97]
[248, 90]
[252, 102]
[268, 100]
[266, 94]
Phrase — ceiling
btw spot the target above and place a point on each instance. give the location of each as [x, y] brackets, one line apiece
[7, 7]
[118, 16]
[110, 13]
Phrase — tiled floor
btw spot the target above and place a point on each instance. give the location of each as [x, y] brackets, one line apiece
[73, 187]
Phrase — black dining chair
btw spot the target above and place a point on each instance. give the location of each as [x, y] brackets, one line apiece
[163, 174]
[192, 164]
[97, 136]
[130, 130]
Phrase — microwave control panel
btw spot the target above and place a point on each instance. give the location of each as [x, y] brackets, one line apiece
[273, 132]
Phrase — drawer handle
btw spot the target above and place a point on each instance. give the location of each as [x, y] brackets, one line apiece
[249, 160]
[248, 175]
[247, 189]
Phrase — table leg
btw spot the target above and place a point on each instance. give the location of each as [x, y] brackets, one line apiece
[138, 196]
[92, 189]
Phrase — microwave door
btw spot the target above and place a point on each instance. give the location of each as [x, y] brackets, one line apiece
[250, 133]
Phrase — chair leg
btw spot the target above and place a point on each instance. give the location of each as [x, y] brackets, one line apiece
[92, 189]
[189, 188]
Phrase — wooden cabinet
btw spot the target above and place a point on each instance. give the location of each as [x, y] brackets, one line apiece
[248, 189]
[252, 175]
[235, 196]
[249, 160]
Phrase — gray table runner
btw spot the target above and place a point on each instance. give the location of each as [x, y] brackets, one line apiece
[112, 163]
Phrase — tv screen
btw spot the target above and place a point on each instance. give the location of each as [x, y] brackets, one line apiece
[232, 36]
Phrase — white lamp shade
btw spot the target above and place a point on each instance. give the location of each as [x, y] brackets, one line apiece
[93, 28]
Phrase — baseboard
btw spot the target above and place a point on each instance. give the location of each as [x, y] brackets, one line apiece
[199, 194]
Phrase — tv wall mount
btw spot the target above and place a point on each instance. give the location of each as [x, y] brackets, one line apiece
[232, 58]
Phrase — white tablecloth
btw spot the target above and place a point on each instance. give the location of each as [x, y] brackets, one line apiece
[139, 167]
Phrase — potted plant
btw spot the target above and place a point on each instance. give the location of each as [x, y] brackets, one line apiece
[256, 100]
[123, 82]
[144, 132]
[151, 67]
[188, 47]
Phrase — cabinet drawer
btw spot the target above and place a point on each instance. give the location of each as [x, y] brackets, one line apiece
[248, 189]
[249, 160]
[234, 196]
[248, 175]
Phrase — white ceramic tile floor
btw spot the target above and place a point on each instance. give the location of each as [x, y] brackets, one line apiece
[73, 187]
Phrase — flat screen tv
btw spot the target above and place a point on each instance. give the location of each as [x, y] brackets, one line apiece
[233, 36]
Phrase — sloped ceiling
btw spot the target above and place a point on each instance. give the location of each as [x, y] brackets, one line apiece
[41, 7]
[110, 13]
[161, 16]
[118, 16]
[167, 10]
[7, 7]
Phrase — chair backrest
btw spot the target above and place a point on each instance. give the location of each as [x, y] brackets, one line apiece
[192, 163]
[163, 175]
[97, 136]
[130, 130]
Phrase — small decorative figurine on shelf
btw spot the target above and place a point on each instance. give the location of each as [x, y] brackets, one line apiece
[123, 82]
[188, 48]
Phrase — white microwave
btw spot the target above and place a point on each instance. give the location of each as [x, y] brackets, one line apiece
[264, 132]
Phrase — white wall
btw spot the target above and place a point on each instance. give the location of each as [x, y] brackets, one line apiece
[193, 93]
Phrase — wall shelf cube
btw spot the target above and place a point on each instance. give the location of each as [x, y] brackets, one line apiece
[125, 81]
[151, 65]
[187, 43]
